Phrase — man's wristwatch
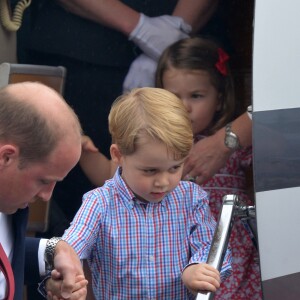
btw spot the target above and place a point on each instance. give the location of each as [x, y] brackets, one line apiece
[231, 139]
[49, 253]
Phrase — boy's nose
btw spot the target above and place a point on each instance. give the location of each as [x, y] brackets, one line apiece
[162, 180]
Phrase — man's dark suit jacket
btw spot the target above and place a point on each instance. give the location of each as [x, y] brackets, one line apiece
[56, 31]
[25, 257]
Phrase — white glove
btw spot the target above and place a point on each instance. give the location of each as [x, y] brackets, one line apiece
[141, 73]
[153, 35]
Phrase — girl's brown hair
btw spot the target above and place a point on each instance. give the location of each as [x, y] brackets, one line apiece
[197, 53]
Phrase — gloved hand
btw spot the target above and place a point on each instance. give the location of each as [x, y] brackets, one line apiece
[153, 35]
[141, 73]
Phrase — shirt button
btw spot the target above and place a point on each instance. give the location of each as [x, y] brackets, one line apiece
[151, 258]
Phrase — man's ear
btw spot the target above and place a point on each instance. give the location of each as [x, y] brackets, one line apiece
[115, 154]
[8, 154]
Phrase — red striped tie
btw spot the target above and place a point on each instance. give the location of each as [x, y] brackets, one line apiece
[6, 269]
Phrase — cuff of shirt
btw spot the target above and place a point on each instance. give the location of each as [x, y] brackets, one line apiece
[42, 285]
[42, 247]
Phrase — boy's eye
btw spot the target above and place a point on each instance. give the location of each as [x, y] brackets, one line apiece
[149, 171]
[175, 168]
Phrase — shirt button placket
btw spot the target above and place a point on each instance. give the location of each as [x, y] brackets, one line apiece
[151, 251]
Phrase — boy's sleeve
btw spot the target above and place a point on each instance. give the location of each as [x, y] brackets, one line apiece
[84, 228]
[202, 229]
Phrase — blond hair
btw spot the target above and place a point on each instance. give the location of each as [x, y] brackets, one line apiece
[151, 112]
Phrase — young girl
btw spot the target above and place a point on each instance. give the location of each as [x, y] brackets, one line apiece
[197, 71]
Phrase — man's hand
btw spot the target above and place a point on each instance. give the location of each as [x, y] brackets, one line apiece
[154, 35]
[207, 157]
[201, 278]
[141, 73]
[54, 286]
[68, 265]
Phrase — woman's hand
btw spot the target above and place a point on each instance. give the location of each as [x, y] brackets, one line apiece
[206, 158]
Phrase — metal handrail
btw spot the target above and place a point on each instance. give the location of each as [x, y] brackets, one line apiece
[221, 238]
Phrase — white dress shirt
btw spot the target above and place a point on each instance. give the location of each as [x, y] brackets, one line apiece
[6, 241]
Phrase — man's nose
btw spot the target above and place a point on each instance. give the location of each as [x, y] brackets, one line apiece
[46, 193]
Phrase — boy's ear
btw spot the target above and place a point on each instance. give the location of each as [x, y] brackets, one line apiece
[115, 154]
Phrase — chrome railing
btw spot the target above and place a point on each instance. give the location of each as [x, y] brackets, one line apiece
[221, 237]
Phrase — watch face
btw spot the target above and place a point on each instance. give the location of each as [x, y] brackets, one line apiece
[231, 141]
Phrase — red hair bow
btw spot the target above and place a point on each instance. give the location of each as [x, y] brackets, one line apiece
[221, 63]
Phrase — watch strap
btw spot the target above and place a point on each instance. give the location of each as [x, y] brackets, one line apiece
[49, 253]
[228, 128]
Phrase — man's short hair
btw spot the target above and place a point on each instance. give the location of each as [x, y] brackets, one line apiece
[22, 124]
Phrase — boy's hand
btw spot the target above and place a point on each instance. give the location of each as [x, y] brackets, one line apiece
[201, 278]
[53, 287]
[68, 264]
[87, 144]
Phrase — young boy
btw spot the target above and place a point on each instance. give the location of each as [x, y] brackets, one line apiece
[145, 233]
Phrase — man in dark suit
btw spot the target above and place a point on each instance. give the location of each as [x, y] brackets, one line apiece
[40, 142]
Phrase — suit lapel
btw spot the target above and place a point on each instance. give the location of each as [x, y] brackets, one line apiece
[19, 222]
